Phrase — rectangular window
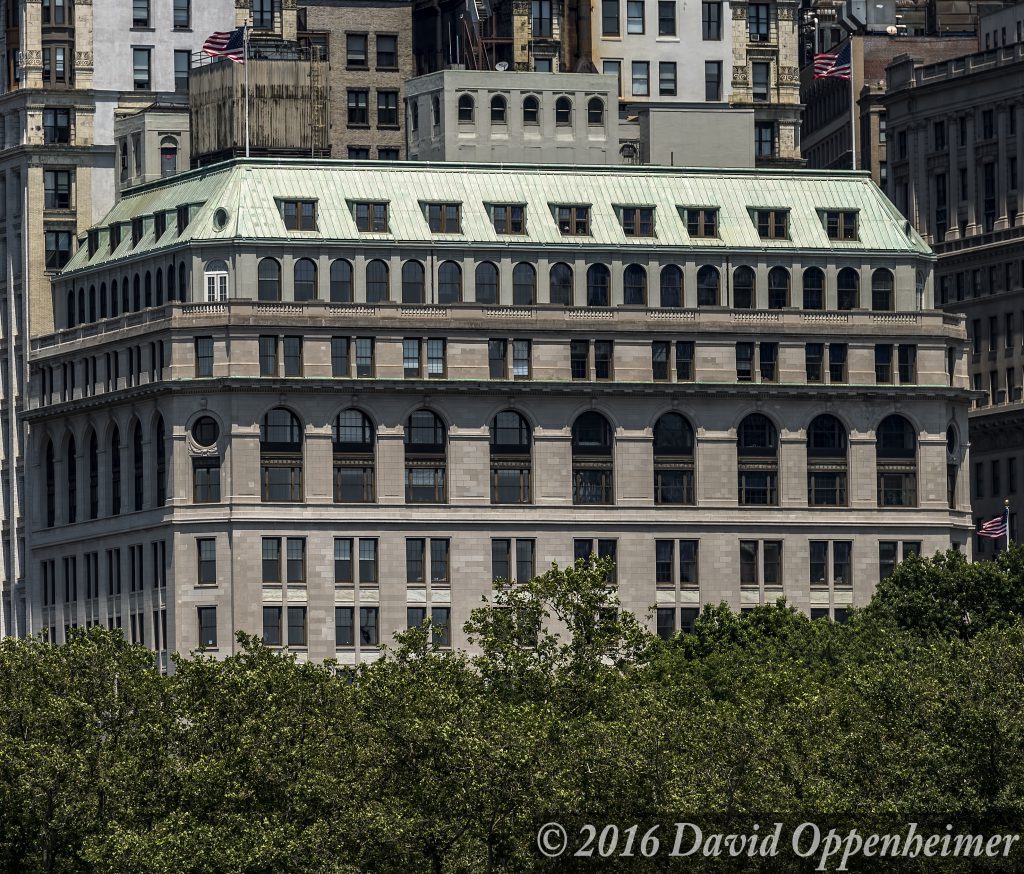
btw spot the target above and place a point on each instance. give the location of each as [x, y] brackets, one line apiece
[140, 13]
[182, 14]
[772, 563]
[272, 626]
[769, 355]
[744, 362]
[578, 354]
[343, 569]
[208, 627]
[292, 348]
[296, 558]
[58, 249]
[56, 126]
[298, 215]
[664, 562]
[371, 217]
[634, 16]
[613, 68]
[666, 18]
[837, 362]
[57, 189]
[271, 559]
[364, 356]
[748, 563]
[711, 20]
[207, 547]
[841, 224]
[268, 356]
[883, 363]
[641, 78]
[501, 560]
[439, 552]
[684, 360]
[387, 109]
[387, 51]
[444, 218]
[521, 359]
[339, 356]
[367, 561]
[182, 64]
[204, 356]
[713, 81]
[761, 74]
[358, 114]
[907, 360]
[296, 626]
[637, 221]
[206, 480]
[758, 17]
[814, 354]
[435, 358]
[667, 78]
[573, 221]
[356, 50]
[415, 560]
[497, 359]
[610, 18]
[411, 357]
[773, 224]
[369, 634]
[526, 562]
[659, 357]
[602, 359]
[702, 222]
[764, 139]
[141, 68]
[508, 218]
[344, 632]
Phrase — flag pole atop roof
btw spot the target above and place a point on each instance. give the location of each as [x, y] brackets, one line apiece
[245, 63]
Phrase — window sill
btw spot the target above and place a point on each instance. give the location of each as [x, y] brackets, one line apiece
[358, 125]
[380, 69]
[143, 28]
[388, 126]
[362, 68]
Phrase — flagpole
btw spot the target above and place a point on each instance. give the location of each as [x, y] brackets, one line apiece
[1006, 510]
[853, 114]
[245, 58]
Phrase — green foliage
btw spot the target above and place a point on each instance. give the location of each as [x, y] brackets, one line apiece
[441, 762]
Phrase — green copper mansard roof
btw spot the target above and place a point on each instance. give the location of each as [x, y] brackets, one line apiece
[249, 192]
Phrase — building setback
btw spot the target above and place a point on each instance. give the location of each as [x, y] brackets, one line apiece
[315, 401]
[956, 153]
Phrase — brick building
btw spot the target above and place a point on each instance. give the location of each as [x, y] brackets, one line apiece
[317, 402]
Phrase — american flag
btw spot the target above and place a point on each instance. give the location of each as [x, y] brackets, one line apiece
[995, 528]
[227, 44]
[833, 65]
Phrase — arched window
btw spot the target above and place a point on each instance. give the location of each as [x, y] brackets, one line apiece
[778, 288]
[531, 110]
[269, 279]
[113, 298]
[281, 457]
[115, 473]
[414, 115]
[511, 438]
[51, 485]
[499, 109]
[159, 287]
[71, 309]
[814, 289]
[598, 282]
[673, 460]
[71, 473]
[148, 289]
[138, 467]
[896, 461]
[304, 277]
[136, 293]
[353, 458]
[592, 460]
[671, 286]
[848, 289]
[161, 461]
[465, 108]
[426, 456]
[94, 476]
[341, 281]
[524, 284]
[413, 287]
[743, 288]
[103, 300]
[168, 156]
[81, 302]
[882, 297]
[952, 465]
[92, 303]
[634, 281]
[486, 282]
[595, 112]
[377, 282]
[182, 282]
[708, 283]
[757, 452]
[215, 277]
[449, 283]
[563, 111]
[826, 462]
[560, 280]
[170, 283]
[435, 108]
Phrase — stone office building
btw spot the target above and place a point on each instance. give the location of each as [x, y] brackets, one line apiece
[319, 402]
[956, 154]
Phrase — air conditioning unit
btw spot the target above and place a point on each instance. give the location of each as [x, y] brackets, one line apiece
[19, 65]
[758, 37]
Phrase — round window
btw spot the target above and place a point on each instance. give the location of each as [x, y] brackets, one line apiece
[220, 218]
[205, 431]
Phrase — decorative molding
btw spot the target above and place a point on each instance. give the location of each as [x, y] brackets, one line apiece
[83, 59]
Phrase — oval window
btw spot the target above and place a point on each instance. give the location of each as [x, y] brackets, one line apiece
[205, 431]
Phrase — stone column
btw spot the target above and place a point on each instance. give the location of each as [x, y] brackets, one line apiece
[972, 179]
[1019, 109]
[1002, 177]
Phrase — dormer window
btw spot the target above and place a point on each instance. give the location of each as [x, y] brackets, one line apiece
[93, 238]
[444, 218]
[115, 236]
[137, 229]
[573, 221]
[183, 217]
[298, 215]
[772, 224]
[159, 224]
[371, 217]
[841, 224]
[637, 221]
[701, 221]
[508, 218]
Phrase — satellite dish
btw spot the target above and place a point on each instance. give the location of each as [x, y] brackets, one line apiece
[891, 30]
[501, 66]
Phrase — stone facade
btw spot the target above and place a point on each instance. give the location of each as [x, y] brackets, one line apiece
[131, 373]
[956, 152]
